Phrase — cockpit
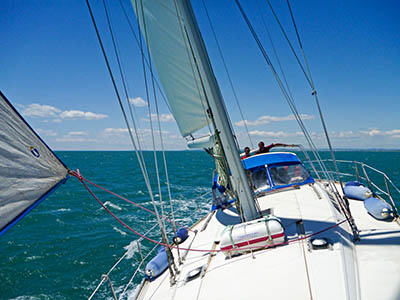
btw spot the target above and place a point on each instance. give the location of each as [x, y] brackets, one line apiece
[275, 170]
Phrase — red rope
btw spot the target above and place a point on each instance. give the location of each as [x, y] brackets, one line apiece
[82, 180]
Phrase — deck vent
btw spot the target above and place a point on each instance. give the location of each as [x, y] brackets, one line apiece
[319, 243]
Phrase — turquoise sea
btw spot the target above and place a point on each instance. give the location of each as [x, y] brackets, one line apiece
[61, 249]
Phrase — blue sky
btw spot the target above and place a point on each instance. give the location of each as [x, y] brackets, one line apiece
[52, 70]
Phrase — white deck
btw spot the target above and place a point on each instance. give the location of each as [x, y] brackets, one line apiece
[368, 270]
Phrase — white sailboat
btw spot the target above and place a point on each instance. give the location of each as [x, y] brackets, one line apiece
[280, 228]
[287, 235]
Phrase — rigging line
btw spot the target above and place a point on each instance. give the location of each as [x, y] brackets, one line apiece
[201, 250]
[147, 63]
[117, 94]
[308, 79]
[296, 114]
[75, 174]
[266, 57]
[152, 132]
[123, 76]
[148, 106]
[227, 73]
[159, 124]
[269, 62]
[316, 96]
[290, 44]
[191, 55]
[300, 43]
[116, 91]
[315, 152]
[134, 274]
[171, 263]
[145, 173]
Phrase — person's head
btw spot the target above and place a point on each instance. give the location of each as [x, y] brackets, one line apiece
[247, 150]
[261, 145]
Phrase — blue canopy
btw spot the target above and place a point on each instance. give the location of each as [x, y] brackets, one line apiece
[269, 159]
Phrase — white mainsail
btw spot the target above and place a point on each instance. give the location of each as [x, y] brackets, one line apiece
[171, 54]
[29, 170]
[184, 68]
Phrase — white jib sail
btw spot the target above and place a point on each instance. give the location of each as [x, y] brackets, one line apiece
[171, 54]
[29, 170]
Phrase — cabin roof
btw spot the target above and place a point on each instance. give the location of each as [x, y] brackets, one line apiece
[269, 158]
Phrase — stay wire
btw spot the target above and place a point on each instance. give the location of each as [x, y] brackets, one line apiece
[227, 72]
[123, 76]
[266, 57]
[120, 102]
[289, 43]
[159, 124]
[346, 205]
[157, 113]
[309, 80]
[290, 100]
[171, 264]
[151, 122]
[147, 62]
[191, 54]
[140, 152]
[277, 78]
[316, 97]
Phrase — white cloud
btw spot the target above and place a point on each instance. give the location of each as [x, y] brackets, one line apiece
[111, 131]
[139, 102]
[77, 114]
[45, 111]
[268, 133]
[75, 137]
[40, 111]
[77, 133]
[372, 132]
[394, 133]
[268, 119]
[45, 132]
[166, 118]
[345, 134]
[141, 131]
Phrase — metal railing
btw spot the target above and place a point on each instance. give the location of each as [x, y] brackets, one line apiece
[363, 173]
[144, 257]
[106, 277]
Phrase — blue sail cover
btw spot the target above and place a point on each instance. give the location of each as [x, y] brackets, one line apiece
[29, 170]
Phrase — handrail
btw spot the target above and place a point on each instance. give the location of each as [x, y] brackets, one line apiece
[371, 184]
[106, 277]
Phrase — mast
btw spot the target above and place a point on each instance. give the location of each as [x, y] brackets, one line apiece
[220, 116]
[184, 68]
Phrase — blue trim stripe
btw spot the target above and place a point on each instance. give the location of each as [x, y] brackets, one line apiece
[36, 203]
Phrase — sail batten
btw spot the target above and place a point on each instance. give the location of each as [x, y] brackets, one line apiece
[29, 170]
